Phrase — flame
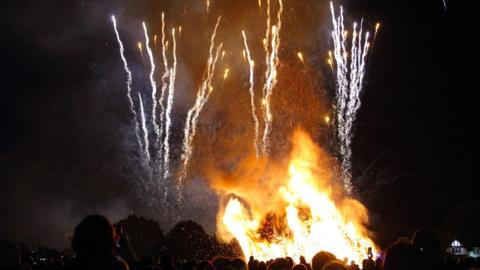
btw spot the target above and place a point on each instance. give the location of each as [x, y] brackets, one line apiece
[299, 211]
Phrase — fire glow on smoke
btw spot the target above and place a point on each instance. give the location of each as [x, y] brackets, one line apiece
[294, 211]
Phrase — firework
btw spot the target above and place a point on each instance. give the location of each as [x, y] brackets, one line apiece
[146, 141]
[203, 94]
[271, 46]
[153, 83]
[349, 69]
[252, 92]
[129, 83]
[168, 120]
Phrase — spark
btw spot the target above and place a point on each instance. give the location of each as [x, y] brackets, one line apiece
[180, 30]
[350, 73]
[225, 74]
[223, 54]
[208, 6]
[171, 92]
[155, 40]
[251, 65]
[300, 56]
[327, 120]
[140, 47]
[129, 83]
[445, 4]
[153, 84]
[203, 94]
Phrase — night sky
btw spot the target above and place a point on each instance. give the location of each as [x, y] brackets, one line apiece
[66, 148]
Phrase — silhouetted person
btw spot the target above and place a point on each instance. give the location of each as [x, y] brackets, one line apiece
[262, 266]
[353, 266]
[222, 263]
[334, 265]
[299, 267]
[368, 264]
[429, 245]
[279, 264]
[238, 264]
[322, 258]
[10, 258]
[206, 265]
[378, 264]
[290, 262]
[304, 262]
[166, 262]
[403, 256]
[93, 243]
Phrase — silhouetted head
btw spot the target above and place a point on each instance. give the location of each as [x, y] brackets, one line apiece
[94, 237]
[238, 264]
[206, 265]
[222, 263]
[429, 244]
[262, 266]
[322, 258]
[334, 265]
[279, 264]
[9, 256]
[368, 264]
[299, 267]
[402, 256]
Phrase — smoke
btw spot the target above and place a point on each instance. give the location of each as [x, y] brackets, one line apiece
[74, 148]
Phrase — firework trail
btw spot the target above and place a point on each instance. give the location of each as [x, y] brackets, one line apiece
[252, 92]
[271, 44]
[153, 84]
[202, 97]
[349, 83]
[146, 141]
[165, 84]
[168, 120]
[445, 4]
[129, 83]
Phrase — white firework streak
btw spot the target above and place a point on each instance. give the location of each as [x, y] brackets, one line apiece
[252, 92]
[153, 83]
[349, 84]
[272, 45]
[202, 96]
[168, 120]
[165, 82]
[146, 141]
[445, 4]
[129, 84]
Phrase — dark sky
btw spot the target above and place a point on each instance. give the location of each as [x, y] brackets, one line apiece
[66, 133]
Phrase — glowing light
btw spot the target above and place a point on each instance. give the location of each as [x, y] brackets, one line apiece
[140, 47]
[327, 120]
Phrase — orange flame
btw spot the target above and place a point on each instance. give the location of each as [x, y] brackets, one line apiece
[298, 211]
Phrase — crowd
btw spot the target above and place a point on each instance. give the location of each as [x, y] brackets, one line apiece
[97, 244]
